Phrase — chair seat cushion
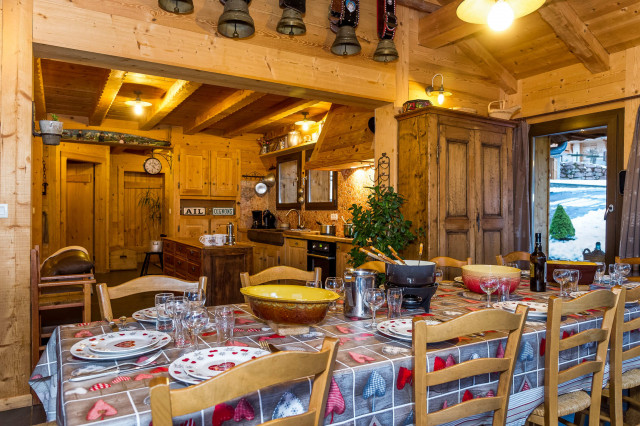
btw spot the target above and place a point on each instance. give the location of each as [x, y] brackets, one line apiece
[68, 262]
[568, 403]
[630, 379]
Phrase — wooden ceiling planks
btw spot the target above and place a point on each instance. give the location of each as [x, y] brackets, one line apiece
[177, 93]
[110, 90]
[286, 108]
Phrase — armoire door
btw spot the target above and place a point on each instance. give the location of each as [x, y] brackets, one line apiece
[194, 172]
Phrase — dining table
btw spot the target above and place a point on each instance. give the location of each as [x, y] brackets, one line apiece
[372, 379]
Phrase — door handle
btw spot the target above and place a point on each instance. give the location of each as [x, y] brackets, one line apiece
[478, 220]
[608, 210]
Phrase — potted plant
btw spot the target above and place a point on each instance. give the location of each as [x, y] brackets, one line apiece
[51, 130]
[380, 223]
[151, 202]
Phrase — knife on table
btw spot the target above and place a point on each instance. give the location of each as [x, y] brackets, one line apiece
[113, 371]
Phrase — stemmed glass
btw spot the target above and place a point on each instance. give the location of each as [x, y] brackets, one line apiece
[195, 319]
[176, 309]
[561, 276]
[334, 284]
[374, 298]
[600, 270]
[196, 296]
[623, 269]
[489, 285]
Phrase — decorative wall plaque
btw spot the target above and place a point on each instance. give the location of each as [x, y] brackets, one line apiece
[194, 211]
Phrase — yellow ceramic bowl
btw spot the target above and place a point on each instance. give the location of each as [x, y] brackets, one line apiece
[289, 304]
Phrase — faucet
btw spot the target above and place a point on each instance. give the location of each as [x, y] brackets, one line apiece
[300, 224]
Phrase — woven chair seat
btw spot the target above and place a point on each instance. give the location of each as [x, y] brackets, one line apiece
[568, 403]
[630, 379]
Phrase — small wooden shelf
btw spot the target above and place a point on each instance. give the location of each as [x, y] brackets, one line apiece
[119, 147]
[297, 148]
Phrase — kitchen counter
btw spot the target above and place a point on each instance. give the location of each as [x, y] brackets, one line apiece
[315, 235]
[196, 243]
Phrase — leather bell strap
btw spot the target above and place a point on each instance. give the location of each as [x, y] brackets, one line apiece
[298, 5]
[387, 20]
[344, 12]
[246, 1]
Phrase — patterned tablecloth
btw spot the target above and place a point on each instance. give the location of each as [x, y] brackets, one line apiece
[372, 378]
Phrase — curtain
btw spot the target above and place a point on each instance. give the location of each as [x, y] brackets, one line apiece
[521, 188]
[630, 227]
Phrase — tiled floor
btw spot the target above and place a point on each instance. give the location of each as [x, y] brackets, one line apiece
[35, 415]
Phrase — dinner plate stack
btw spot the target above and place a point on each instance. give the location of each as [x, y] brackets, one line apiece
[537, 310]
[120, 345]
[145, 315]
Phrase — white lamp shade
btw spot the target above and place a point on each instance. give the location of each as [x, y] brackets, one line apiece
[477, 11]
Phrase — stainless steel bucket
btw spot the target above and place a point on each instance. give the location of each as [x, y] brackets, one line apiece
[355, 284]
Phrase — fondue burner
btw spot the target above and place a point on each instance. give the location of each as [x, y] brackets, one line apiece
[417, 281]
[416, 297]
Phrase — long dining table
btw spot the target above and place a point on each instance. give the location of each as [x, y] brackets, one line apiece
[372, 380]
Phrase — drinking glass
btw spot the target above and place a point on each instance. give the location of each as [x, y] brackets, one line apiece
[196, 318]
[177, 308]
[394, 303]
[439, 275]
[623, 269]
[489, 285]
[196, 296]
[163, 320]
[225, 322]
[561, 276]
[600, 270]
[374, 298]
[313, 283]
[334, 284]
[613, 275]
[504, 285]
[573, 278]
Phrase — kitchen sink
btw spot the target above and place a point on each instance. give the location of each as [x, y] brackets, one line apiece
[266, 236]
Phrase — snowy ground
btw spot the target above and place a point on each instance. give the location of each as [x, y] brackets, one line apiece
[585, 203]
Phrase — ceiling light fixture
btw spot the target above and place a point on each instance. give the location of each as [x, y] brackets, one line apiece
[306, 124]
[498, 14]
[138, 104]
[441, 93]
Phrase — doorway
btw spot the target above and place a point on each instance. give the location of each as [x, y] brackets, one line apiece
[80, 208]
[140, 226]
[575, 190]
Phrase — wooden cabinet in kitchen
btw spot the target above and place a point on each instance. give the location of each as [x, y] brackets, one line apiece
[296, 253]
[266, 256]
[453, 171]
[342, 257]
[209, 173]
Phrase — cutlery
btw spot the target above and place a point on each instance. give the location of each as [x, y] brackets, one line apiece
[382, 255]
[110, 372]
[98, 369]
[396, 255]
[268, 346]
[420, 254]
[113, 327]
[372, 255]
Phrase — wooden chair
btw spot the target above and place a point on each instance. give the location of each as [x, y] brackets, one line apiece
[579, 402]
[266, 371]
[156, 283]
[619, 381]
[55, 292]
[514, 256]
[631, 261]
[444, 261]
[374, 265]
[473, 322]
[280, 273]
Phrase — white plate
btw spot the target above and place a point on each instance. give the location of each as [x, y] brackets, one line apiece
[124, 341]
[150, 313]
[207, 363]
[458, 280]
[404, 327]
[81, 350]
[177, 371]
[140, 316]
[536, 309]
[384, 330]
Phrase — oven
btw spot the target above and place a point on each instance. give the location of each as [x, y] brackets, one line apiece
[321, 254]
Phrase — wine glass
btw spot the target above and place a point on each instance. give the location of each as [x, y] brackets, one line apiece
[560, 276]
[334, 284]
[489, 285]
[374, 298]
[623, 270]
[176, 309]
[313, 283]
[195, 319]
[600, 270]
[196, 296]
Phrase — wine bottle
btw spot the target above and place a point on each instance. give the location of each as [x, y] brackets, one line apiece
[538, 260]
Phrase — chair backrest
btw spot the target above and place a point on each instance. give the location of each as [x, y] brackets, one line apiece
[612, 303]
[279, 273]
[157, 283]
[269, 370]
[473, 322]
[514, 256]
[444, 261]
[629, 260]
[374, 265]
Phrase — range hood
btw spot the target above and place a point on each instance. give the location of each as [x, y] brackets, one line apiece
[345, 141]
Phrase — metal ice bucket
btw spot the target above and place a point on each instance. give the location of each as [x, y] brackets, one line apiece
[355, 284]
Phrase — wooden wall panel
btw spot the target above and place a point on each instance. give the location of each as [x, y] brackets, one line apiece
[138, 229]
[80, 205]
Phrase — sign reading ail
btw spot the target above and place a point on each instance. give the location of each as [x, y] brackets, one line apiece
[194, 211]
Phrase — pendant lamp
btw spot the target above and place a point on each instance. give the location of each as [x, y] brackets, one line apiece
[235, 21]
[138, 104]
[439, 92]
[498, 14]
[305, 123]
[180, 7]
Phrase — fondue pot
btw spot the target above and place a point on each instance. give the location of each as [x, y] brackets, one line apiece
[417, 281]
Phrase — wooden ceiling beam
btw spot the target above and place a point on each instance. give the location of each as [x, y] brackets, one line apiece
[420, 5]
[573, 32]
[443, 27]
[488, 63]
[232, 103]
[110, 90]
[176, 94]
[272, 116]
[38, 90]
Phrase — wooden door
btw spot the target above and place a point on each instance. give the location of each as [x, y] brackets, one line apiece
[80, 205]
[296, 253]
[258, 258]
[139, 227]
[194, 172]
[493, 194]
[457, 197]
[225, 166]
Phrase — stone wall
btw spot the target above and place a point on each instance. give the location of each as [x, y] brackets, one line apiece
[582, 171]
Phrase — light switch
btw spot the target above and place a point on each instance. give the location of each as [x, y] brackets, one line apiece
[334, 216]
[4, 211]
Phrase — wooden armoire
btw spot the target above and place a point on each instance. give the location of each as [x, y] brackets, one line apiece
[454, 171]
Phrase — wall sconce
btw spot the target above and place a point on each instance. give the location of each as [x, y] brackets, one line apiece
[179, 7]
[498, 14]
[235, 21]
[441, 93]
[138, 104]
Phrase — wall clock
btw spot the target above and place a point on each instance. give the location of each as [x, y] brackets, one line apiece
[152, 165]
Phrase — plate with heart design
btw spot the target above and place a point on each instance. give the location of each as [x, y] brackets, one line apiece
[400, 328]
[127, 349]
[150, 313]
[145, 315]
[537, 310]
[207, 363]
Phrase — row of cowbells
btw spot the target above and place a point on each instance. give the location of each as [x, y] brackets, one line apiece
[235, 22]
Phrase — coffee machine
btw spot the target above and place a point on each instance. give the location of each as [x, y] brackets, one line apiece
[257, 223]
[263, 219]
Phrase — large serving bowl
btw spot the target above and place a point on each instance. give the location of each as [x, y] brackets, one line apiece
[587, 270]
[472, 275]
[289, 304]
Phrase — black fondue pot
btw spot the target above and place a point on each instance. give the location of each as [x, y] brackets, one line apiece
[417, 279]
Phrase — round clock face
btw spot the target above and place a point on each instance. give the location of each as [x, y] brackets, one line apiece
[152, 165]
